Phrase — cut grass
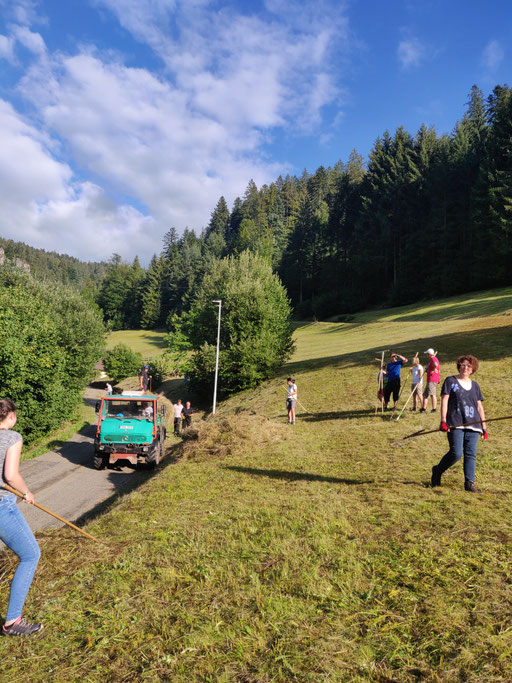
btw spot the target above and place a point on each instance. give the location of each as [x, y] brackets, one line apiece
[309, 553]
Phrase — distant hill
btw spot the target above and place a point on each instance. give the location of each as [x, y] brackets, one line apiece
[48, 265]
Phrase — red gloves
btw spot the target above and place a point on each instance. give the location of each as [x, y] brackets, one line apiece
[444, 427]
[485, 435]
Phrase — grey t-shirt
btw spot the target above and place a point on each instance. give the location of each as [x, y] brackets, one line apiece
[7, 439]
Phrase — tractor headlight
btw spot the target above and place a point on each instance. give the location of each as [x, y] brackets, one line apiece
[145, 449]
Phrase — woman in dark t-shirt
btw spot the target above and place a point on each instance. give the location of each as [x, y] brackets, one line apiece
[14, 530]
[461, 403]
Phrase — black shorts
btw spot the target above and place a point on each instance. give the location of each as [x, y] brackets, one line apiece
[392, 387]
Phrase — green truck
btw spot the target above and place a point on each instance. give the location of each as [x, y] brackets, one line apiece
[130, 427]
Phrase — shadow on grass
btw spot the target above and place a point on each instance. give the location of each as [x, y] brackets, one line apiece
[143, 475]
[341, 415]
[493, 343]
[295, 476]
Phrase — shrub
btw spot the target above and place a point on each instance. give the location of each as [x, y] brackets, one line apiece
[121, 362]
[255, 328]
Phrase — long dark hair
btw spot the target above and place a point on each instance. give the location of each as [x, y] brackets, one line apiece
[6, 407]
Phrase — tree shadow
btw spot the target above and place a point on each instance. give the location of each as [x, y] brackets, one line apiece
[342, 415]
[493, 343]
[294, 476]
[141, 476]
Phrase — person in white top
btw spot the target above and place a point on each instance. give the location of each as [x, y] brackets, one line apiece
[291, 400]
[178, 409]
[417, 383]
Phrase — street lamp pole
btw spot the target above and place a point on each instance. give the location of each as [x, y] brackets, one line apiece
[219, 303]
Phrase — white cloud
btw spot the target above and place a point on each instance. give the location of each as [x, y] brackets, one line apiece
[32, 41]
[410, 52]
[43, 206]
[6, 48]
[493, 55]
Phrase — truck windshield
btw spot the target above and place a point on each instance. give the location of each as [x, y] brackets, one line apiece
[134, 410]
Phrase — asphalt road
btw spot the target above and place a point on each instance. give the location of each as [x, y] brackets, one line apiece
[65, 481]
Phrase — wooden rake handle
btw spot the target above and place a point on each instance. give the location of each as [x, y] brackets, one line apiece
[53, 514]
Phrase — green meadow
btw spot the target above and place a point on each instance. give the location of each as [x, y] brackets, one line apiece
[149, 343]
[259, 551]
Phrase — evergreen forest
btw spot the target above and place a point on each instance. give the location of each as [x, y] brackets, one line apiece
[427, 215]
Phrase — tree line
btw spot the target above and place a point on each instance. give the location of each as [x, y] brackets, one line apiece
[53, 267]
[426, 215]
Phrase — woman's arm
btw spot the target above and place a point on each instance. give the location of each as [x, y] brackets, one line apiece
[444, 406]
[481, 412]
[12, 472]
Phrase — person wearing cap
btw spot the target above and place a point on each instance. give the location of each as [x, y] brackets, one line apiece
[393, 372]
[144, 378]
[433, 379]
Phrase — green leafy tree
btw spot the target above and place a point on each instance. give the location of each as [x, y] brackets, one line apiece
[50, 339]
[255, 330]
[121, 362]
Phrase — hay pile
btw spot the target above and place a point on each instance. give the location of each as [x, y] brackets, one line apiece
[221, 436]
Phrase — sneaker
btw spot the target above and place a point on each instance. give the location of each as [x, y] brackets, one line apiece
[413, 409]
[435, 479]
[434, 410]
[470, 486]
[21, 628]
[422, 410]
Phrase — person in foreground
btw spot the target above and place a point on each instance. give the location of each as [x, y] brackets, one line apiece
[461, 402]
[14, 530]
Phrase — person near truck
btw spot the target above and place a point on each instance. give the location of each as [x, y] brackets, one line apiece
[144, 378]
[178, 409]
[187, 415]
[14, 530]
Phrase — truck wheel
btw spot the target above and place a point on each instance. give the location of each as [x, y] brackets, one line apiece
[99, 461]
[153, 459]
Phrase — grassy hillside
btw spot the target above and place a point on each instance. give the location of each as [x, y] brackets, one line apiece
[265, 552]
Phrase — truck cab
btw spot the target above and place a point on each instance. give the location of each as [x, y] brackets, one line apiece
[131, 426]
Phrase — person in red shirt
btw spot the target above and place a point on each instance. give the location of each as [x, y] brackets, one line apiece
[433, 379]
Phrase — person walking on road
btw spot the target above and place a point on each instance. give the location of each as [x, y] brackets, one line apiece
[461, 402]
[291, 400]
[433, 379]
[14, 530]
[393, 372]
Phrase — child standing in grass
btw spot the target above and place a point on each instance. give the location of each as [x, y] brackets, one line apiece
[291, 400]
[14, 530]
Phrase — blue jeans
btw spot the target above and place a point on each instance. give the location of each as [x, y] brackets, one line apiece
[462, 441]
[17, 535]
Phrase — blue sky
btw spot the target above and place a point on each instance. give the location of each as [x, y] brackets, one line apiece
[122, 118]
